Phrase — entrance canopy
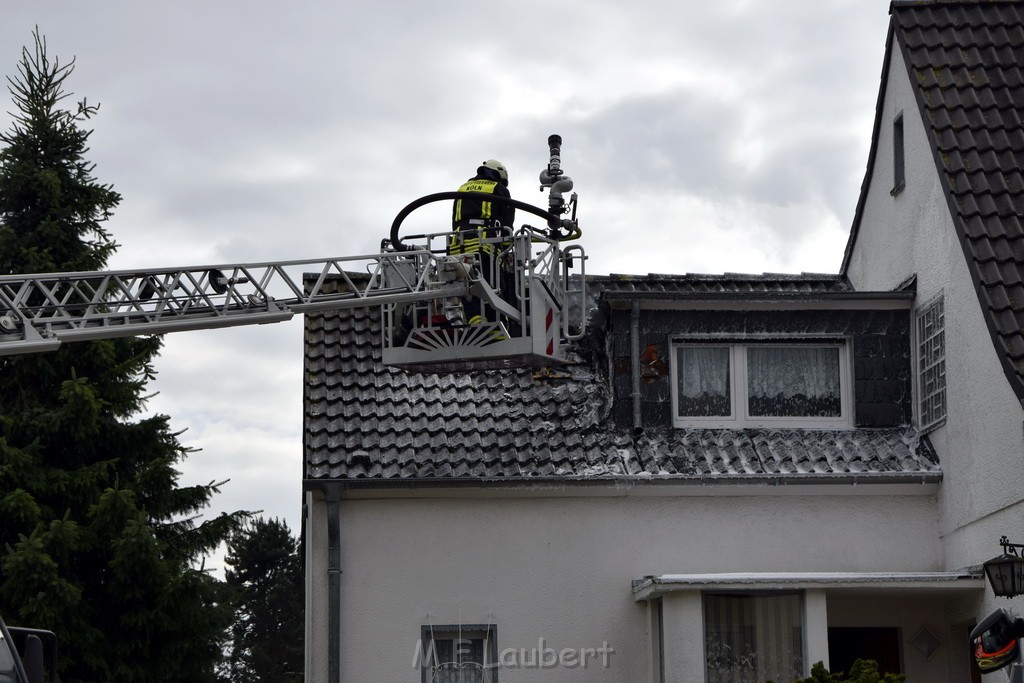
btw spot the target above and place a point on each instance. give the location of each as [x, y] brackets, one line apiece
[966, 580]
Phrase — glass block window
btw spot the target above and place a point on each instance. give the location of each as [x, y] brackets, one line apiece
[803, 384]
[931, 364]
[752, 638]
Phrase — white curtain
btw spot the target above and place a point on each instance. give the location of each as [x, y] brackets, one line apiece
[459, 660]
[703, 381]
[793, 381]
[753, 638]
[466, 672]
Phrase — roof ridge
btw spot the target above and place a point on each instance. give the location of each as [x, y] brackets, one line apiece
[730, 276]
[926, 3]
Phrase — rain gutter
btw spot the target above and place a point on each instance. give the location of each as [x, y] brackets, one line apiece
[644, 480]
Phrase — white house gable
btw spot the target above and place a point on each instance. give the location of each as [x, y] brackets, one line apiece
[902, 231]
[954, 232]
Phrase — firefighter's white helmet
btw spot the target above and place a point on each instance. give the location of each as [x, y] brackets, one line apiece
[496, 165]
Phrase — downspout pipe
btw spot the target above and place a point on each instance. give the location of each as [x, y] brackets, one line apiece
[333, 585]
[634, 342]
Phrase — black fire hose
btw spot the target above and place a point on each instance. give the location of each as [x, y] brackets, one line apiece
[552, 220]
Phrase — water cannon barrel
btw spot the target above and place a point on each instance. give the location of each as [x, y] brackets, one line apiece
[555, 149]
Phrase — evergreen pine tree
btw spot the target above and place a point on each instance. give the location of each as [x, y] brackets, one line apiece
[98, 542]
[266, 576]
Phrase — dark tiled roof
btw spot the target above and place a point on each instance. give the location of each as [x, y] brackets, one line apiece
[967, 61]
[367, 423]
[729, 283]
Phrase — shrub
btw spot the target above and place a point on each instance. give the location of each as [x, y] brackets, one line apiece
[862, 671]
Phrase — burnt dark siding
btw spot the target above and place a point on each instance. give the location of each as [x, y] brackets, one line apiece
[881, 356]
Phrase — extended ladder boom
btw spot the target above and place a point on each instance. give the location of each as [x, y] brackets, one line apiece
[526, 305]
[38, 311]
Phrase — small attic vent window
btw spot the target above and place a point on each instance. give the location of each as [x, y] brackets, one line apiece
[899, 178]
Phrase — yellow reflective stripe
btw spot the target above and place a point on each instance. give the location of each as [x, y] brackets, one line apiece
[478, 186]
[485, 186]
[456, 248]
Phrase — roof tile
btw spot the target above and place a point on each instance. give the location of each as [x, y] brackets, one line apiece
[965, 58]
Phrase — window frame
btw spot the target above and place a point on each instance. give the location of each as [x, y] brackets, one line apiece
[740, 417]
[432, 632]
[921, 314]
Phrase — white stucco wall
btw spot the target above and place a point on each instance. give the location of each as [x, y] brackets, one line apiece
[560, 567]
[684, 636]
[981, 446]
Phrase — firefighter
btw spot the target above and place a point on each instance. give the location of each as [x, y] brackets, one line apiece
[473, 218]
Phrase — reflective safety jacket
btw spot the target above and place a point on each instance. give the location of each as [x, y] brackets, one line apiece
[472, 216]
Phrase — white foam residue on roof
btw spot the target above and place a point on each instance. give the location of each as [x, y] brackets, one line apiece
[626, 456]
[595, 470]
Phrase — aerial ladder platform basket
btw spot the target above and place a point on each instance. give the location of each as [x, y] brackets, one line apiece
[533, 301]
[526, 294]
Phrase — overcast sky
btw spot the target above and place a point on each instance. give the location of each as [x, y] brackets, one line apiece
[727, 136]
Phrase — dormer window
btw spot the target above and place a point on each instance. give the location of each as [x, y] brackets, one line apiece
[761, 384]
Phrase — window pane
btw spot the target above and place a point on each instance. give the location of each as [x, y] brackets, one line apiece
[899, 174]
[753, 638]
[703, 382]
[793, 382]
[459, 660]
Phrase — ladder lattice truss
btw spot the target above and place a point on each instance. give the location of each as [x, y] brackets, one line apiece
[38, 311]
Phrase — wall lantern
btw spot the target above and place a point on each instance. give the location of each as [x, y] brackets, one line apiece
[1006, 572]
